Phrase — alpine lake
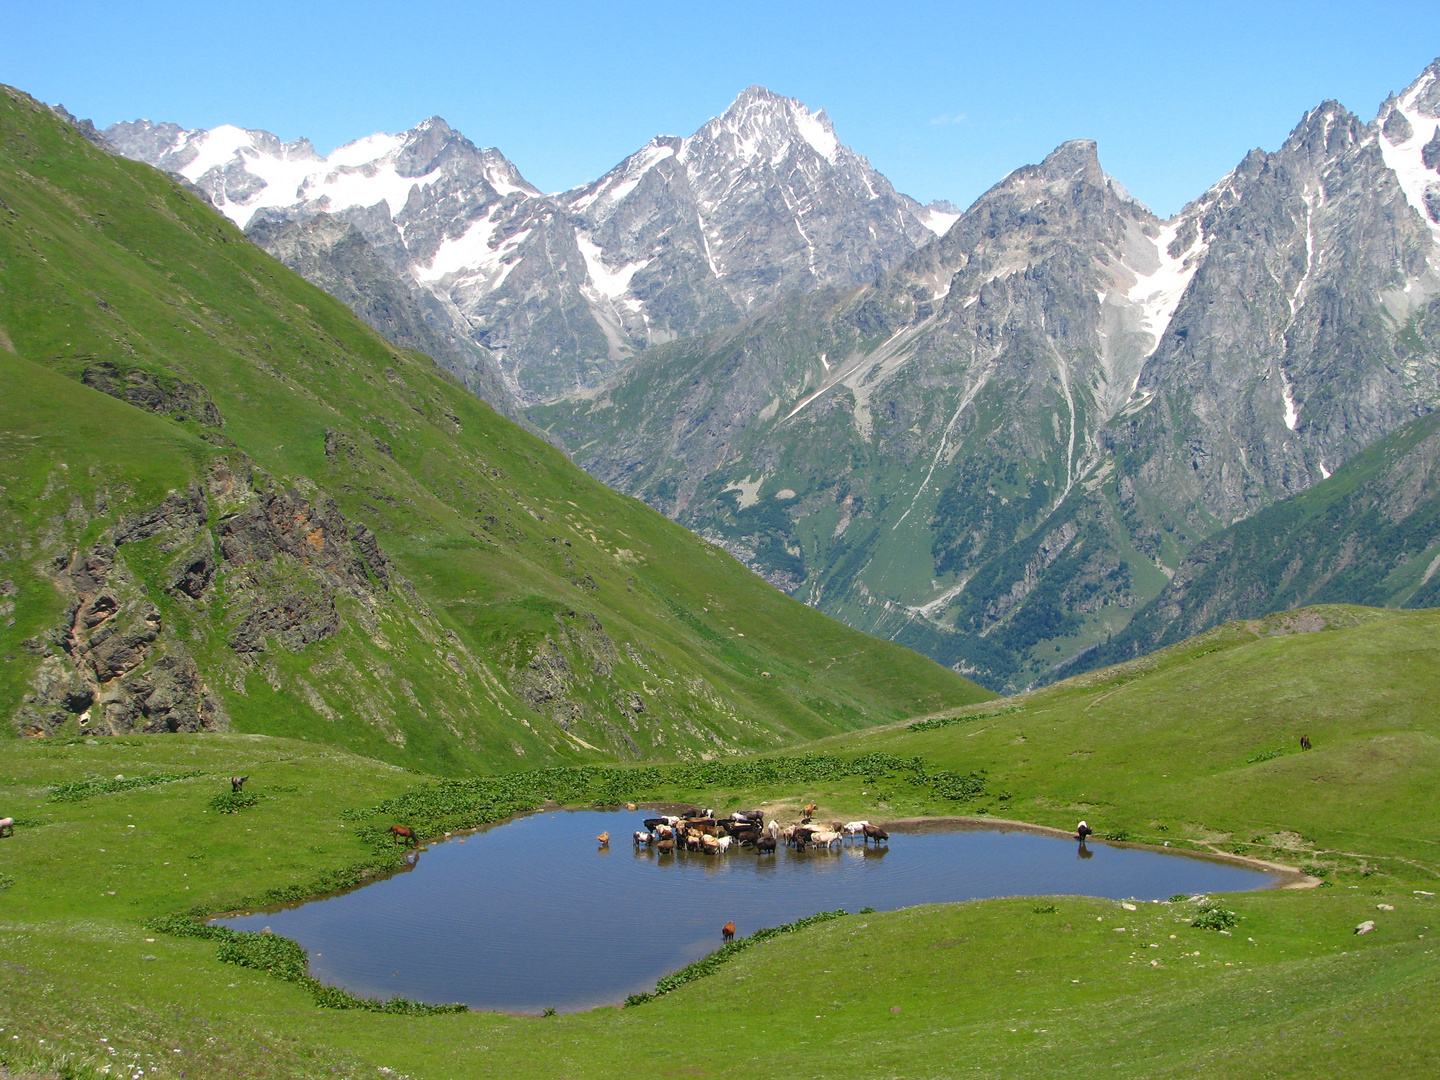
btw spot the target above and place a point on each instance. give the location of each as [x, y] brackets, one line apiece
[533, 914]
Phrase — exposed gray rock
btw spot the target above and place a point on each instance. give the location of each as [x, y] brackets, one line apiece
[286, 559]
[1430, 152]
[336, 256]
[110, 663]
[1001, 450]
[154, 392]
[686, 235]
[1395, 127]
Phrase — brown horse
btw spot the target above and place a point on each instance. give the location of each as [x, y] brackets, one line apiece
[403, 833]
[728, 931]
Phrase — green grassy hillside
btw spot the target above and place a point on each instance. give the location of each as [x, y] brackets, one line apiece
[226, 502]
[1370, 534]
[1179, 746]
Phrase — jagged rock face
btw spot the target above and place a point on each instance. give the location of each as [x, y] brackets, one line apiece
[1002, 450]
[1283, 358]
[110, 661]
[283, 560]
[1368, 535]
[335, 255]
[686, 235]
[154, 392]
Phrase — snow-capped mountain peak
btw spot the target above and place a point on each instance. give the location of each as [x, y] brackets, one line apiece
[682, 236]
[761, 124]
[246, 171]
[1410, 143]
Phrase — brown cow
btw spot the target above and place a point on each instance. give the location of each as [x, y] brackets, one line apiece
[603, 839]
[403, 833]
[665, 847]
[237, 782]
[1304, 742]
[728, 931]
[874, 832]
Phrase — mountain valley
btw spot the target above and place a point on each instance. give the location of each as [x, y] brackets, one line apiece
[1007, 446]
[229, 503]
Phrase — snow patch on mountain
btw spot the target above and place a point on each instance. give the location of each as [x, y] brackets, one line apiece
[1158, 292]
[605, 281]
[1420, 183]
[361, 173]
[475, 255]
[815, 129]
[938, 219]
[625, 178]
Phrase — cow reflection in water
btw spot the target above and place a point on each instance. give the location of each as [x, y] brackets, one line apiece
[1083, 852]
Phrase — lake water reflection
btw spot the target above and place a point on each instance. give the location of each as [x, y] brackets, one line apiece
[530, 915]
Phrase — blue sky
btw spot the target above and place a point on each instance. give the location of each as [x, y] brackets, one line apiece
[943, 98]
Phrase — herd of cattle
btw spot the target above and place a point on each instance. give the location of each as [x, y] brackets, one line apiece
[701, 831]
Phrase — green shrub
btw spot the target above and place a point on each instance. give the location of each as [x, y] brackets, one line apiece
[232, 802]
[1048, 909]
[278, 955]
[77, 790]
[1315, 870]
[1215, 918]
[1265, 755]
[1120, 835]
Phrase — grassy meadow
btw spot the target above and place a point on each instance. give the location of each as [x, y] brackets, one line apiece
[1177, 747]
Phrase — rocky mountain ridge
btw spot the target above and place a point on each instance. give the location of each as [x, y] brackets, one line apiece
[1006, 446]
[561, 291]
[226, 500]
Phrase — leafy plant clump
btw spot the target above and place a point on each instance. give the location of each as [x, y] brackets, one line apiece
[77, 790]
[1265, 755]
[454, 805]
[708, 965]
[1315, 870]
[1047, 909]
[6, 881]
[232, 802]
[286, 960]
[1120, 835]
[1215, 918]
[945, 721]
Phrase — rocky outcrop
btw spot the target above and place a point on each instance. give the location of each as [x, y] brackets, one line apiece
[154, 392]
[109, 664]
[1368, 535]
[114, 664]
